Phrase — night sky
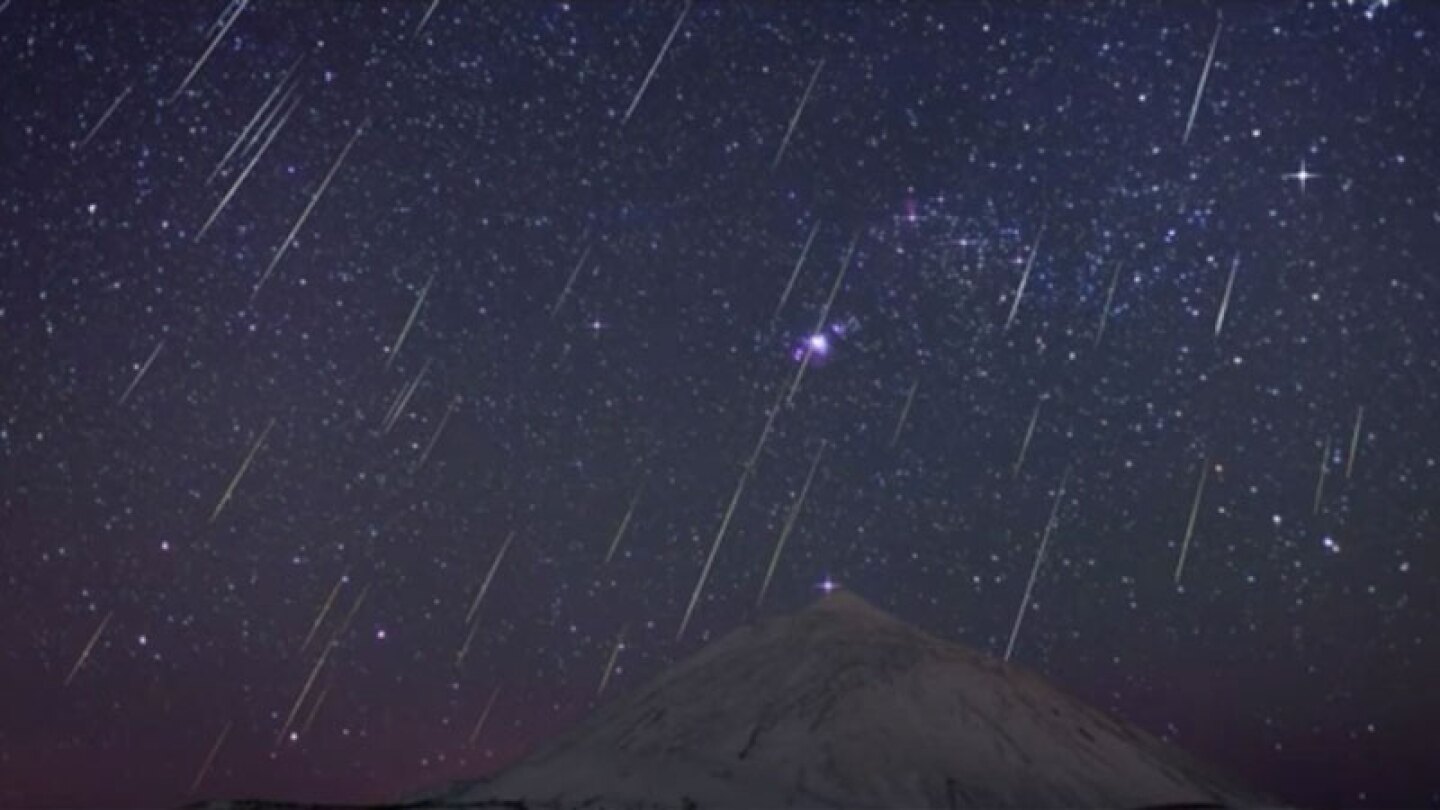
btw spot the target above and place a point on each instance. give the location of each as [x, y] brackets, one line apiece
[195, 465]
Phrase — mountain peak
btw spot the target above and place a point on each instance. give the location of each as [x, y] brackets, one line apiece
[841, 705]
[844, 602]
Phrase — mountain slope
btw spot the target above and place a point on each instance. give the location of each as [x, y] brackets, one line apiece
[842, 706]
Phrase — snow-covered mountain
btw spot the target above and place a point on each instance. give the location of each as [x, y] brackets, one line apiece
[842, 706]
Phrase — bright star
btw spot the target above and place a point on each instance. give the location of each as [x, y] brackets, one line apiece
[813, 349]
[1303, 176]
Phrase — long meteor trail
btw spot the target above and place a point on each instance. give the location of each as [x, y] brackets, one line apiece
[315, 707]
[444, 420]
[1354, 440]
[745, 473]
[1025, 277]
[410, 321]
[795, 119]
[570, 282]
[349, 617]
[1035, 569]
[425, 19]
[225, 14]
[109, 111]
[1225, 302]
[139, 375]
[1324, 471]
[402, 399]
[904, 412]
[635, 102]
[1194, 513]
[795, 274]
[1025, 445]
[774, 411]
[324, 609]
[484, 715]
[1204, 77]
[210, 757]
[714, 549]
[215, 40]
[315, 198]
[265, 122]
[624, 523]
[249, 166]
[489, 577]
[1109, 297]
[261, 112]
[90, 645]
[610, 663]
[305, 690]
[789, 524]
[824, 316]
[245, 465]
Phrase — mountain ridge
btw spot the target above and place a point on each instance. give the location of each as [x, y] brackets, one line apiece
[842, 705]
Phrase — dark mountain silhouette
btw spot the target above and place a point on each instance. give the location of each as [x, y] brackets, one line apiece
[842, 706]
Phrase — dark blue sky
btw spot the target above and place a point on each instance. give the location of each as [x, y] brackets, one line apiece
[488, 156]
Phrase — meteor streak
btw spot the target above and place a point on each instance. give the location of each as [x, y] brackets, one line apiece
[624, 523]
[90, 645]
[1194, 512]
[1324, 471]
[324, 609]
[264, 106]
[410, 321]
[489, 577]
[610, 664]
[1025, 277]
[710, 560]
[824, 315]
[1354, 440]
[484, 715]
[1035, 569]
[435, 437]
[635, 102]
[1225, 301]
[795, 119]
[570, 282]
[103, 118]
[215, 40]
[210, 757]
[789, 524]
[245, 465]
[904, 412]
[315, 198]
[426, 18]
[139, 375]
[1109, 297]
[794, 274]
[305, 690]
[402, 399]
[249, 166]
[1025, 445]
[1204, 77]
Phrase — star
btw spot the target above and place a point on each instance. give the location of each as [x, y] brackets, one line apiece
[1303, 176]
